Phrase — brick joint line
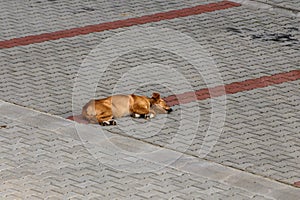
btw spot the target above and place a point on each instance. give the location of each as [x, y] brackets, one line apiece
[31, 39]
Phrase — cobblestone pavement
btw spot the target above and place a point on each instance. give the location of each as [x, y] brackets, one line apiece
[261, 131]
[293, 4]
[42, 75]
[43, 158]
[290, 8]
[260, 134]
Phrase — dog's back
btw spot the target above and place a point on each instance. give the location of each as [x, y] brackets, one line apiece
[120, 105]
[115, 106]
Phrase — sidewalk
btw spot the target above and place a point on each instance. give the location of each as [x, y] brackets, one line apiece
[230, 71]
[43, 157]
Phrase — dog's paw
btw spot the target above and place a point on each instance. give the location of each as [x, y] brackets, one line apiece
[149, 116]
[108, 123]
[135, 115]
[143, 116]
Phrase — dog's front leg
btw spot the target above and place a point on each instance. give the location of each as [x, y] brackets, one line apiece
[106, 120]
[108, 123]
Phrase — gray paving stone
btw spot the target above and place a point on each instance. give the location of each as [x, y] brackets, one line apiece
[62, 67]
[65, 15]
[44, 121]
[56, 165]
[293, 4]
[15, 112]
[261, 128]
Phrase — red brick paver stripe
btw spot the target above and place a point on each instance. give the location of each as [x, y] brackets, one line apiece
[233, 88]
[117, 24]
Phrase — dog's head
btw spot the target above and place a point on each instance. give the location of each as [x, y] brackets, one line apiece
[159, 105]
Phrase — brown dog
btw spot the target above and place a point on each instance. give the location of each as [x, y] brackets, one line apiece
[104, 111]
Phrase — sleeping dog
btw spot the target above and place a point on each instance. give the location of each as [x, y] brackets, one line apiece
[104, 111]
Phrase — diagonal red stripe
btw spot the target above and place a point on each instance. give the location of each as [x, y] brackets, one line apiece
[117, 24]
[233, 88]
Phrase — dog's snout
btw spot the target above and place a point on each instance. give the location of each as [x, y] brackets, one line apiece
[170, 110]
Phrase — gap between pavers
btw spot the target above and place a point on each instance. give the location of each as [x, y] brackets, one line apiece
[138, 150]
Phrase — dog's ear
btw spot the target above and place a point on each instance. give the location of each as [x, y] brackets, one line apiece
[156, 95]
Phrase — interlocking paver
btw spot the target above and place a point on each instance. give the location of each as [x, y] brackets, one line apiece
[51, 91]
[57, 166]
[48, 16]
[41, 156]
[292, 4]
[263, 145]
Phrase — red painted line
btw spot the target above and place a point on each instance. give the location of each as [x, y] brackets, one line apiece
[117, 24]
[233, 88]
[217, 91]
